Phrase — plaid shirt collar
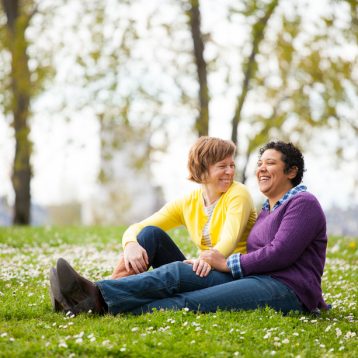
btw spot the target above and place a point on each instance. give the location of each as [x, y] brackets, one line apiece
[292, 192]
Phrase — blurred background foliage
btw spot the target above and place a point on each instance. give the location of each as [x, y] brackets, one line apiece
[151, 71]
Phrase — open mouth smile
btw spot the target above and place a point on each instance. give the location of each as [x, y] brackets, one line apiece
[264, 178]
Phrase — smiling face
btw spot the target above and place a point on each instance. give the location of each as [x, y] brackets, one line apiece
[220, 176]
[272, 179]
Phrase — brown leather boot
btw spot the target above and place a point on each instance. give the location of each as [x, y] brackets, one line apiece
[82, 294]
[120, 269]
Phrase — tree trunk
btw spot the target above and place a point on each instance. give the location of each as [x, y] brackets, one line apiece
[21, 93]
[249, 71]
[202, 121]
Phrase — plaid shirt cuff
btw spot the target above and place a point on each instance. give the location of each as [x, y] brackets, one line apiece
[233, 262]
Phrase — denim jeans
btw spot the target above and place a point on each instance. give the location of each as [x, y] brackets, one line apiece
[176, 286]
[160, 248]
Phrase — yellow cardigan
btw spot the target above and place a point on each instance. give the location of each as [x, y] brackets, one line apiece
[232, 219]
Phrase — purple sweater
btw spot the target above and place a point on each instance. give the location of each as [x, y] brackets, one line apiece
[289, 244]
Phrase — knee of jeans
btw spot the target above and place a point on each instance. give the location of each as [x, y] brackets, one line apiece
[149, 232]
[180, 267]
[175, 266]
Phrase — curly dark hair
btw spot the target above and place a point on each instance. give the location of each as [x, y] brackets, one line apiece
[291, 156]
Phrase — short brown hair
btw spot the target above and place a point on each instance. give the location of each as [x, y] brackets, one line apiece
[207, 151]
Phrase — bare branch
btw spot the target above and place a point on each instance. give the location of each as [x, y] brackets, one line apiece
[258, 35]
[202, 122]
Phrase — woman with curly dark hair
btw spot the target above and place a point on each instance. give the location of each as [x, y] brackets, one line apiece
[282, 269]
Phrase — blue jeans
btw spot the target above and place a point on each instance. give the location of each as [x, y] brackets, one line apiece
[160, 248]
[176, 286]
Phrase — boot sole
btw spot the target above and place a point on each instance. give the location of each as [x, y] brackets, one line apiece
[58, 302]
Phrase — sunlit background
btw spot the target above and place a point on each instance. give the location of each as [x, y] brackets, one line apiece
[115, 106]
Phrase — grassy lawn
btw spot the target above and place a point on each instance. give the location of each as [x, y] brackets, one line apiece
[28, 327]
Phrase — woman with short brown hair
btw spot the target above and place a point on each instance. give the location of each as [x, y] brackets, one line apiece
[217, 215]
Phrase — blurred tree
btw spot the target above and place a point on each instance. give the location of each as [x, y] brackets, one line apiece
[304, 74]
[17, 20]
[250, 64]
[125, 80]
[194, 20]
[20, 81]
[17, 99]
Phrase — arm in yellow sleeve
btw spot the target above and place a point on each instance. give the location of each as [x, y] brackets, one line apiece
[240, 213]
[166, 218]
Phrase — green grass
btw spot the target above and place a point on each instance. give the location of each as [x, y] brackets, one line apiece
[29, 328]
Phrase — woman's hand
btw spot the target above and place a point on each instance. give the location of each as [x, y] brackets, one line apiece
[215, 259]
[135, 257]
[200, 267]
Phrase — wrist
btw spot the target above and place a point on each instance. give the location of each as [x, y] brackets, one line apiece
[129, 245]
[226, 268]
